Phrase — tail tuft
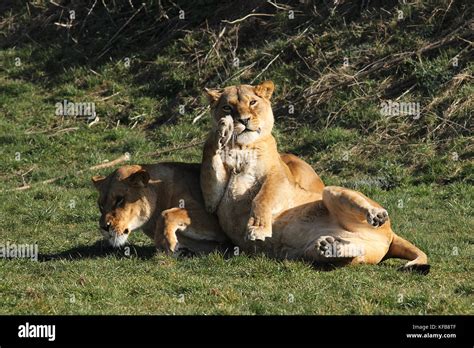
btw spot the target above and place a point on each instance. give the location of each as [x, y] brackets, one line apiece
[403, 249]
[416, 268]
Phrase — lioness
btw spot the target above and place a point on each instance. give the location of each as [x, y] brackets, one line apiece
[164, 200]
[261, 206]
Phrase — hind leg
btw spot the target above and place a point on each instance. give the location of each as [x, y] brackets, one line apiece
[347, 250]
[358, 213]
[303, 173]
[367, 248]
[352, 209]
[335, 248]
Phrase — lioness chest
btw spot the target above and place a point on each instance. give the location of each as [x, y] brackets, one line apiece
[242, 187]
[242, 166]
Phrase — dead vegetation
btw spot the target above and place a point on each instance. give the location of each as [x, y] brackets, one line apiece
[334, 62]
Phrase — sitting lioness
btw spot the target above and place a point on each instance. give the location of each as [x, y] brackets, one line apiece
[262, 207]
[164, 200]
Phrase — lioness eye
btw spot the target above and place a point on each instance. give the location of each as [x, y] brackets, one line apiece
[119, 201]
[226, 108]
[253, 102]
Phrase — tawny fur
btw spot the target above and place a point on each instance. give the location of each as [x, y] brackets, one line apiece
[165, 201]
[266, 204]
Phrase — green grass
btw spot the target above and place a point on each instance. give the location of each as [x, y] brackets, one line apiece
[420, 170]
[94, 281]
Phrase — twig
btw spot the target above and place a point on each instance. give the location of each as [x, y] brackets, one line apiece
[240, 72]
[95, 72]
[64, 130]
[286, 8]
[198, 117]
[56, 4]
[94, 121]
[87, 16]
[64, 25]
[124, 158]
[215, 44]
[30, 170]
[110, 96]
[265, 69]
[247, 16]
[118, 31]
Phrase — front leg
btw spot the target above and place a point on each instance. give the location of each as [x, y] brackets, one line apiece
[268, 199]
[174, 220]
[159, 235]
[214, 176]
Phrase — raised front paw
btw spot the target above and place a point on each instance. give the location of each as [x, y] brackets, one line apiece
[377, 216]
[225, 129]
[258, 229]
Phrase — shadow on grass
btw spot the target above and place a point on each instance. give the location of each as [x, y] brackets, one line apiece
[100, 249]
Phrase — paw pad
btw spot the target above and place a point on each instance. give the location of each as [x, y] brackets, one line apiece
[377, 217]
[334, 247]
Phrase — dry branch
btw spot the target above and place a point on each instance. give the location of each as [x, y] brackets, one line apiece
[124, 158]
[247, 16]
[386, 63]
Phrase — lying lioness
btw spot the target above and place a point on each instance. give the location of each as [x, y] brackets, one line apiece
[261, 206]
[164, 200]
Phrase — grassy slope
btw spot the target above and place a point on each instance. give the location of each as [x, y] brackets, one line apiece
[412, 162]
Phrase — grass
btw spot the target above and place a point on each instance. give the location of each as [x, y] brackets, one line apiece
[88, 280]
[419, 169]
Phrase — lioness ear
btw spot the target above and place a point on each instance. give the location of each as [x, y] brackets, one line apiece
[139, 178]
[213, 95]
[98, 180]
[265, 89]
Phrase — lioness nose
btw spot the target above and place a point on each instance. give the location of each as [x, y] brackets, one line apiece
[244, 121]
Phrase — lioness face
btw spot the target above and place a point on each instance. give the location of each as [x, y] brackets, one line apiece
[248, 105]
[122, 203]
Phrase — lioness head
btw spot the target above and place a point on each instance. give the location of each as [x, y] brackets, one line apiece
[248, 105]
[123, 202]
